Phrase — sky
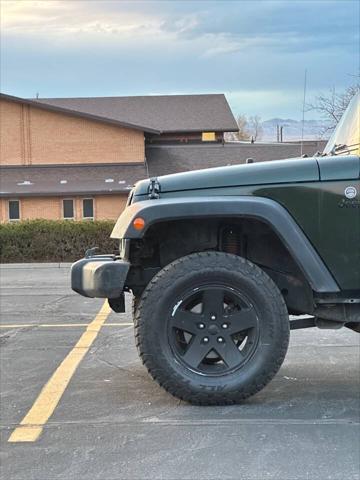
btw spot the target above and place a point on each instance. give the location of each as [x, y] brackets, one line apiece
[255, 52]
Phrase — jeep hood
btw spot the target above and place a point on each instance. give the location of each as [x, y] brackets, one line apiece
[279, 171]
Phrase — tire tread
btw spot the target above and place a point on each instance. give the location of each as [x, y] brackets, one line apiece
[174, 271]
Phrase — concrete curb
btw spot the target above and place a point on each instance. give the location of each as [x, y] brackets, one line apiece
[4, 266]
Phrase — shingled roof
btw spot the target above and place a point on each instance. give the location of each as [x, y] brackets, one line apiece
[164, 113]
[69, 180]
[77, 113]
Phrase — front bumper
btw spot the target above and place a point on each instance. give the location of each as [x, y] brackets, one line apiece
[100, 276]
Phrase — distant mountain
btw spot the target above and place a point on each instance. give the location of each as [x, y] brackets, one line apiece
[313, 130]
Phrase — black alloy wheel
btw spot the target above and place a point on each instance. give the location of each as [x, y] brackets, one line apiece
[213, 330]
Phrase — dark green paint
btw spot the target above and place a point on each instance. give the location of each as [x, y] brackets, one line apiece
[280, 171]
[335, 168]
[311, 189]
[330, 221]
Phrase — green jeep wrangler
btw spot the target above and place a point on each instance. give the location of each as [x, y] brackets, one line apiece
[218, 259]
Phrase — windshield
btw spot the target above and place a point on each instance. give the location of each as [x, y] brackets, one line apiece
[346, 137]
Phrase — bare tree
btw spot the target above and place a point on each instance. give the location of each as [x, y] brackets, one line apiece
[332, 105]
[255, 128]
[243, 133]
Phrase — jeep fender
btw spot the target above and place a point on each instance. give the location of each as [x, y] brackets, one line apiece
[264, 209]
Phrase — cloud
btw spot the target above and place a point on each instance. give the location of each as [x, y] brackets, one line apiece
[250, 50]
[278, 24]
[55, 17]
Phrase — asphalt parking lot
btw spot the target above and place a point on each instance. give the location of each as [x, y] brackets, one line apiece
[109, 420]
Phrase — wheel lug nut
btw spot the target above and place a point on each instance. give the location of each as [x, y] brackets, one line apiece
[205, 340]
[213, 317]
[224, 325]
[201, 325]
[220, 340]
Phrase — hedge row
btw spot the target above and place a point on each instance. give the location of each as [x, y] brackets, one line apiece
[54, 241]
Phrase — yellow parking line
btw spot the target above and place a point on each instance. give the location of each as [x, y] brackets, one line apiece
[51, 325]
[32, 424]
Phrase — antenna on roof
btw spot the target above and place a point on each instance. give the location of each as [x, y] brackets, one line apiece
[37, 94]
[303, 115]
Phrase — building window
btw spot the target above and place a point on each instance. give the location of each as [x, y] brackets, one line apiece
[68, 208]
[208, 137]
[14, 210]
[88, 208]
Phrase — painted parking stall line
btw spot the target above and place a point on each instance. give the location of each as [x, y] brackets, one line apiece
[62, 325]
[32, 424]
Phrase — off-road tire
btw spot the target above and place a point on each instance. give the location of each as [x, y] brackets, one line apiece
[134, 305]
[153, 343]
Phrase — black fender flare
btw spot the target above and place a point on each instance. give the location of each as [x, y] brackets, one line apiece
[264, 209]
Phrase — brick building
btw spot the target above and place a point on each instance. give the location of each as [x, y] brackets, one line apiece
[77, 158]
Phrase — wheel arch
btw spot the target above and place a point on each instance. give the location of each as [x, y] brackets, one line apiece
[271, 213]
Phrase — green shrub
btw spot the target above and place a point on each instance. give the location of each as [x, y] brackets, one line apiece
[54, 241]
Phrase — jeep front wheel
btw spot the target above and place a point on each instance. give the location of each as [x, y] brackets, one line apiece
[212, 328]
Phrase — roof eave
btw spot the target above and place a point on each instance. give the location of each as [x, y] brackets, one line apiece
[71, 165]
[197, 130]
[63, 193]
